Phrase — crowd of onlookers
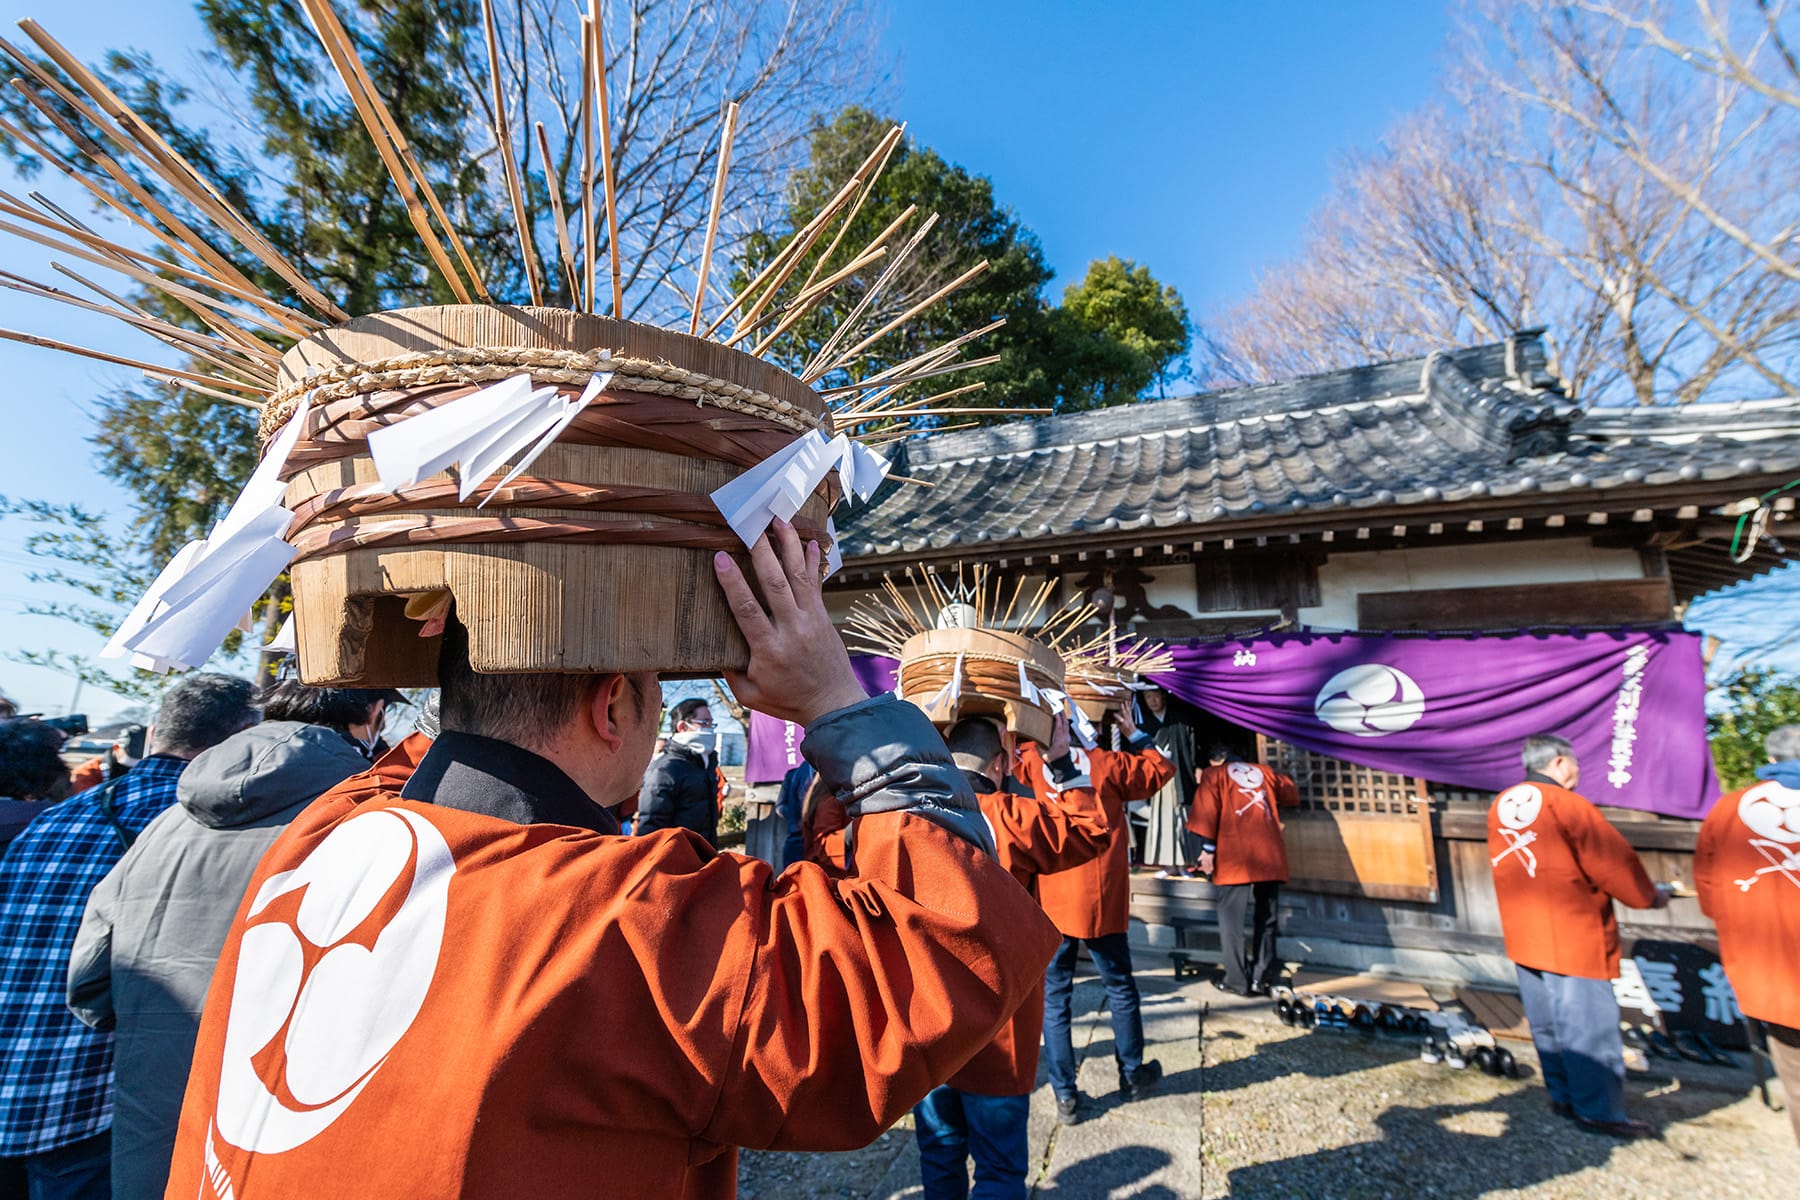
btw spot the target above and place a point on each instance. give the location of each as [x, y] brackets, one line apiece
[115, 900]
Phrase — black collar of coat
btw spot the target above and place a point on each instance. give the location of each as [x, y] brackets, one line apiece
[484, 775]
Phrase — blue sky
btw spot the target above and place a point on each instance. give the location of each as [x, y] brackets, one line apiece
[1195, 138]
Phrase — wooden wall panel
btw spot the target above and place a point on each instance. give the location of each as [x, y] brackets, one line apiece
[1520, 606]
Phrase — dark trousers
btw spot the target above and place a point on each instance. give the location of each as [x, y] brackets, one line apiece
[1784, 1051]
[1253, 965]
[1111, 956]
[79, 1171]
[954, 1126]
[1575, 1026]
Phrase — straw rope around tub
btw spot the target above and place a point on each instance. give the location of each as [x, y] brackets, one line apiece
[490, 364]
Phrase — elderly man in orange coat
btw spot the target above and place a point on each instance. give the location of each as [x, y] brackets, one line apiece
[463, 983]
[1747, 870]
[1558, 867]
[1234, 816]
[1091, 905]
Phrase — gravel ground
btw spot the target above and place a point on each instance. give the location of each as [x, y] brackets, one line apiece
[1255, 1110]
[1335, 1116]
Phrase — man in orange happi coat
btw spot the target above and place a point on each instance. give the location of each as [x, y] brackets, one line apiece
[1236, 819]
[1050, 823]
[1558, 867]
[459, 984]
[1091, 905]
[1747, 870]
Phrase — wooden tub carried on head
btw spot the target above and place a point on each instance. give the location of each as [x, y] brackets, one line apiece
[991, 661]
[598, 558]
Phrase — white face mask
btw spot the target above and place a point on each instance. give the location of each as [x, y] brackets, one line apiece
[702, 740]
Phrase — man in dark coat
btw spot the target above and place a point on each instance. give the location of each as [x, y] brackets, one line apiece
[681, 788]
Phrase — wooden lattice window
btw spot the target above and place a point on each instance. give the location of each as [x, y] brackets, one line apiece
[1359, 831]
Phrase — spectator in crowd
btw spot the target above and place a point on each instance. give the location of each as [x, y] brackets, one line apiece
[791, 804]
[681, 788]
[55, 1073]
[8, 709]
[1164, 842]
[358, 714]
[1049, 820]
[1236, 817]
[1746, 858]
[147, 945]
[1558, 866]
[32, 774]
[119, 758]
[1091, 905]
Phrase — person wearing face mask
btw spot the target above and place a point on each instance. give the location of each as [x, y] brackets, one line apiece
[681, 789]
[358, 714]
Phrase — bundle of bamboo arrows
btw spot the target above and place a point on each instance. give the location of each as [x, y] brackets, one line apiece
[1104, 670]
[967, 648]
[234, 332]
[616, 456]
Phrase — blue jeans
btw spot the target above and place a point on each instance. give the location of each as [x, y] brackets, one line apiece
[79, 1171]
[1111, 956]
[953, 1126]
[1575, 1026]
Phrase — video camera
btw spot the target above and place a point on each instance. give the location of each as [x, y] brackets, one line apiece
[73, 725]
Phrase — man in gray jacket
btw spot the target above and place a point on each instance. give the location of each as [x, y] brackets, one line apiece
[144, 956]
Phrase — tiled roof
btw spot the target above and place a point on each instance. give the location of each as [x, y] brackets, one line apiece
[1479, 427]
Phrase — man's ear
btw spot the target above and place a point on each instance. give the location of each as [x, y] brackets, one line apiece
[607, 710]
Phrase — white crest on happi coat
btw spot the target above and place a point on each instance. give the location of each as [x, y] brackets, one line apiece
[1772, 811]
[1519, 806]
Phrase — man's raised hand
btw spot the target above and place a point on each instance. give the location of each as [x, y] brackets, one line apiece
[799, 669]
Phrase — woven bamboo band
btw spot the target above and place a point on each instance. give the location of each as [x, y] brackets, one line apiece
[337, 521]
[341, 428]
[488, 364]
[925, 675]
[420, 530]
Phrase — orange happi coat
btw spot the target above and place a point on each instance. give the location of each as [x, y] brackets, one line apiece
[1747, 870]
[422, 1001]
[1235, 808]
[1558, 866]
[1094, 899]
[1033, 835]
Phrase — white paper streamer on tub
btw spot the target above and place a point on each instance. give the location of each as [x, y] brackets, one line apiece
[209, 586]
[284, 641]
[509, 421]
[1028, 691]
[952, 691]
[781, 484]
[777, 486]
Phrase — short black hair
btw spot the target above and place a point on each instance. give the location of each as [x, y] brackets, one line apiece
[30, 767]
[977, 736]
[1220, 752]
[519, 708]
[203, 710]
[339, 708]
[685, 710]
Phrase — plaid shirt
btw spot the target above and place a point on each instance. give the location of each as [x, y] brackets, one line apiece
[56, 1074]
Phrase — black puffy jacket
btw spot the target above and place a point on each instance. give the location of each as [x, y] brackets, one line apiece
[681, 791]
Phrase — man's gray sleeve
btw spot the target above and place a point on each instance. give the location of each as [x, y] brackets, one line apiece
[90, 962]
[884, 755]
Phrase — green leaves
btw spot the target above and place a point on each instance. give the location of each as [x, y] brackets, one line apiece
[1760, 701]
[1116, 333]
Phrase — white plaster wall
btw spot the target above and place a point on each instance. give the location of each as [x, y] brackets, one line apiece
[1343, 577]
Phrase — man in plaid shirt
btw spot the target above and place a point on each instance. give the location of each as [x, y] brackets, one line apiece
[56, 1074]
